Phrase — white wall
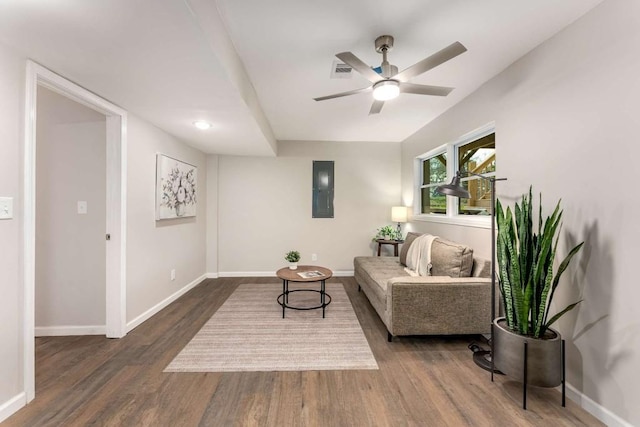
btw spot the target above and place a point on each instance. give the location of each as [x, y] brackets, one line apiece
[179, 244]
[476, 238]
[156, 247]
[567, 118]
[264, 205]
[70, 248]
[12, 76]
[212, 214]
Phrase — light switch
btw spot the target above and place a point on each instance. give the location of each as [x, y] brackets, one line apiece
[6, 207]
[82, 207]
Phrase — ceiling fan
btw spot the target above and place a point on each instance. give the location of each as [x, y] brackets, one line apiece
[387, 82]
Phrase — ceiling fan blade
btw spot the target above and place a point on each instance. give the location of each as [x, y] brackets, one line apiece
[425, 89]
[432, 61]
[341, 94]
[376, 107]
[357, 64]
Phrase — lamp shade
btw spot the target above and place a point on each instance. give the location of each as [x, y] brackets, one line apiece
[399, 214]
[454, 189]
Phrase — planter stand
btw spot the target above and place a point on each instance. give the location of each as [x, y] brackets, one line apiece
[524, 370]
[530, 361]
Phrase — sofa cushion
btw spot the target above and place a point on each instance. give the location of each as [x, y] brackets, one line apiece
[376, 271]
[450, 259]
[405, 246]
[481, 268]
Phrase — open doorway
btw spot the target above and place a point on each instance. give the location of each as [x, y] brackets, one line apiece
[70, 262]
[114, 202]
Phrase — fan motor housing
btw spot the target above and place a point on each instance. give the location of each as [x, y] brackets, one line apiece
[388, 70]
[384, 43]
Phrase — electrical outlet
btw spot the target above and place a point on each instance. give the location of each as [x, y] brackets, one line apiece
[314, 257]
[173, 274]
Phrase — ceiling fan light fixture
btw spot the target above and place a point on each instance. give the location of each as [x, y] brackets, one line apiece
[386, 89]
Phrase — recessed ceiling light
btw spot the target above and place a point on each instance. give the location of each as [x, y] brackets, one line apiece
[201, 124]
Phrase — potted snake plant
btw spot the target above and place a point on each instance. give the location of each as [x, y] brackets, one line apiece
[527, 284]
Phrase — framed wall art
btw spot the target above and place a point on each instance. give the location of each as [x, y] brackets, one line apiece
[176, 188]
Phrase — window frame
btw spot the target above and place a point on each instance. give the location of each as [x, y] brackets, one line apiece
[451, 150]
[419, 176]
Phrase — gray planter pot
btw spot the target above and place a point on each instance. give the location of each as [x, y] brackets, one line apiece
[544, 356]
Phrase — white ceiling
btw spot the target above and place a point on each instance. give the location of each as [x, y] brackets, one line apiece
[252, 67]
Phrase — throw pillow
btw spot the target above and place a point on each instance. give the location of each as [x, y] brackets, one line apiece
[405, 246]
[450, 259]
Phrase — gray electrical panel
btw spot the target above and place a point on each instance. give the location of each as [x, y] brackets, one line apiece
[322, 203]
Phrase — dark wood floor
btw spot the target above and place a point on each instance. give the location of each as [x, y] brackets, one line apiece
[422, 381]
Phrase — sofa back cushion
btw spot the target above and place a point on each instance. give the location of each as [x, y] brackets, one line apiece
[450, 259]
[481, 268]
[411, 236]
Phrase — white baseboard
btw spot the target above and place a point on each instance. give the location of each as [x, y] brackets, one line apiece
[600, 412]
[64, 331]
[339, 273]
[212, 275]
[162, 304]
[12, 406]
[247, 274]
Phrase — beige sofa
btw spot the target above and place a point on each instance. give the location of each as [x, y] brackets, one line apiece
[429, 305]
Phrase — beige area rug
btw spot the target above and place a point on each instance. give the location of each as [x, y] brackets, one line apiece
[248, 333]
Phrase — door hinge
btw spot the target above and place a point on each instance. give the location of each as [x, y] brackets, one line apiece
[108, 236]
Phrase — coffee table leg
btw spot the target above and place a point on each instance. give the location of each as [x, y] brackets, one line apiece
[322, 297]
[284, 295]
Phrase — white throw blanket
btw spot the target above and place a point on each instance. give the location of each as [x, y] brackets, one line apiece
[419, 256]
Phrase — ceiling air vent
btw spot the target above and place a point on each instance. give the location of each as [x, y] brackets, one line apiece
[340, 70]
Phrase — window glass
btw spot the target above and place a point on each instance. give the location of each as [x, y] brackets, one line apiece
[434, 173]
[477, 157]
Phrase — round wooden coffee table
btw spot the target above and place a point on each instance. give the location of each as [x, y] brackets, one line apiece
[304, 273]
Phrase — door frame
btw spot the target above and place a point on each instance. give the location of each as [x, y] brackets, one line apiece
[116, 132]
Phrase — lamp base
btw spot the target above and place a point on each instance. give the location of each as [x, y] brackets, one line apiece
[482, 358]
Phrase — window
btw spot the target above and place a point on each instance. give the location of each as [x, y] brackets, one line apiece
[478, 157]
[474, 153]
[434, 173]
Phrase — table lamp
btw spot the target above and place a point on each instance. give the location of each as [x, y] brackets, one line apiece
[399, 215]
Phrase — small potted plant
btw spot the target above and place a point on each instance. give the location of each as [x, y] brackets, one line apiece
[293, 257]
[387, 233]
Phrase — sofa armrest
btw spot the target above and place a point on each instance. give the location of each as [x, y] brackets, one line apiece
[428, 305]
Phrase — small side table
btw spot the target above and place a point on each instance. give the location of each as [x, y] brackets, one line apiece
[287, 275]
[394, 243]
